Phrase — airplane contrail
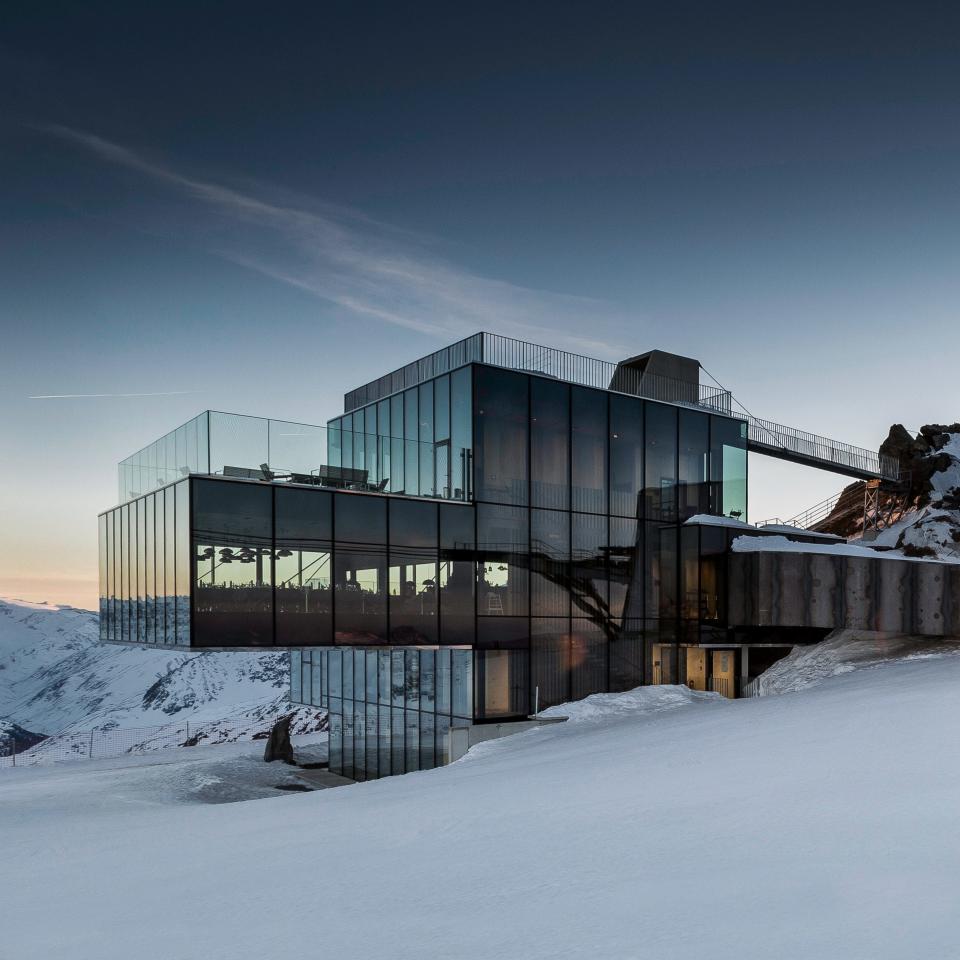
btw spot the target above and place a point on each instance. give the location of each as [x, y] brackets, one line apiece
[77, 396]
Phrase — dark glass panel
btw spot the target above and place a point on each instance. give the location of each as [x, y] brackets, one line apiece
[397, 678]
[115, 589]
[443, 680]
[372, 671]
[104, 588]
[360, 519]
[335, 674]
[427, 755]
[626, 456]
[232, 541]
[588, 658]
[660, 494]
[669, 587]
[336, 744]
[125, 574]
[500, 449]
[302, 567]
[501, 683]
[184, 562]
[359, 446]
[139, 577]
[412, 736]
[693, 487]
[457, 578]
[626, 655]
[373, 747]
[441, 736]
[411, 679]
[441, 405]
[396, 416]
[396, 466]
[549, 661]
[625, 574]
[397, 757]
[413, 524]
[549, 444]
[348, 684]
[411, 430]
[589, 547]
[462, 683]
[384, 743]
[713, 575]
[428, 681]
[502, 560]
[296, 678]
[383, 443]
[461, 434]
[150, 558]
[170, 565]
[348, 767]
[549, 563]
[503, 633]
[360, 595]
[425, 419]
[384, 681]
[359, 741]
[456, 527]
[413, 597]
[588, 450]
[334, 443]
[689, 590]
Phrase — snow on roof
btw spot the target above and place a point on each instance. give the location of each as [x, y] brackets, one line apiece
[707, 520]
[778, 544]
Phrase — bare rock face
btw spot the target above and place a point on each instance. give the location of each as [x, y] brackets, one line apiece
[921, 458]
[279, 746]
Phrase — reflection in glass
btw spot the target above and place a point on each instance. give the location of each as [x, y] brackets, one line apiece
[626, 456]
[413, 597]
[360, 595]
[661, 467]
[501, 443]
[502, 560]
[693, 488]
[728, 467]
[549, 443]
[549, 563]
[302, 567]
[588, 450]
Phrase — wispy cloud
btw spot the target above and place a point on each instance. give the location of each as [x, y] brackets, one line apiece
[364, 266]
[86, 396]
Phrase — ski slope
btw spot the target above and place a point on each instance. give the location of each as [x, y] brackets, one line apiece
[657, 824]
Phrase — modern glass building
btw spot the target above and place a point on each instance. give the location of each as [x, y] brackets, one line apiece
[494, 527]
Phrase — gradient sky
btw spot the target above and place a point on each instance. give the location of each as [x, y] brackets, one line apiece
[255, 207]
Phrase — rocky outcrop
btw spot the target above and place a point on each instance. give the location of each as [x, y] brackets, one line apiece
[922, 459]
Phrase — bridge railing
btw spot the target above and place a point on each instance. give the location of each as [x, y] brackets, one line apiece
[767, 433]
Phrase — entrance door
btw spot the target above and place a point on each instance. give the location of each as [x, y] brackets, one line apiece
[724, 679]
[696, 668]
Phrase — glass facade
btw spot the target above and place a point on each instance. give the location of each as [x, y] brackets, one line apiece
[417, 442]
[144, 559]
[568, 570]
[390, 707]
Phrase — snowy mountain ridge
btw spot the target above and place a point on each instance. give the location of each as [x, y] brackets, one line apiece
[55, 677]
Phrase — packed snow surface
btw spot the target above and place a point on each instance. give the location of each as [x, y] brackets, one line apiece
[658, 824]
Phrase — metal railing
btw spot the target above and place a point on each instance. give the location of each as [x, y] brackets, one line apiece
[807, 518]
[765, 433]
[513, 354]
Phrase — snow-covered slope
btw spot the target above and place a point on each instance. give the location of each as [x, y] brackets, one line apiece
[816, 826]
[56, 676]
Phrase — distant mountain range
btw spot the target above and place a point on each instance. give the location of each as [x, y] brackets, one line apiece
[55, 677]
